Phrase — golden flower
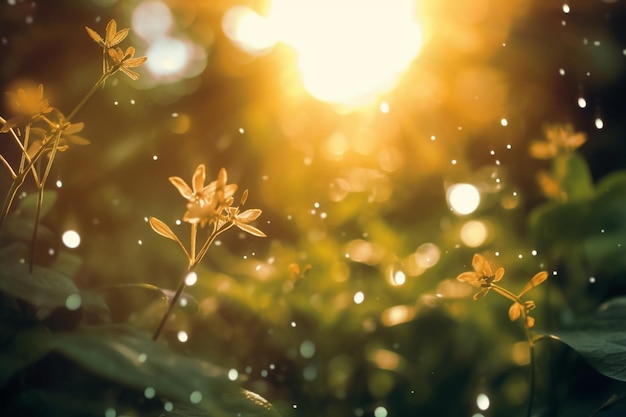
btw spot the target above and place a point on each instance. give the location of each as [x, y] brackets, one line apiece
[112, 36]
[125, 60]
[205, 203]
[559, 140]
[519, 309]
[28, 104]
[68, 137]
[482, 275]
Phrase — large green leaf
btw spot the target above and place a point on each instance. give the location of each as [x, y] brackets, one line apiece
[25, 348]
[45, 289]
[27, 206]
[578, 182]
[124, 354]
[601, 340]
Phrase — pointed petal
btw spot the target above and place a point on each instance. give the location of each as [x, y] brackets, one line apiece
[542, 149]
[250, 229]
[243, 198]
[118, 37]
[499, 274]
[76, 140]
[74, 128]
[478, 261]
[469, 277]
[249, 215]
[481, 293]
[162, 229]
[576, 140]
[110, 31]
[130, 73]
[534, 281]
[182, 187]
[135, 62]
[199, 176]
[515, 311]
[95, 36]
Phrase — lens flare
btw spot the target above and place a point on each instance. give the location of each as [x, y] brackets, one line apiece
[349, 51]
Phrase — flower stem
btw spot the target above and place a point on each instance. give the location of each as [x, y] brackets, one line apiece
[172, 304]
[87, 96]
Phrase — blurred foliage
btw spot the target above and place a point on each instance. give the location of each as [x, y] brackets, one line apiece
[360, 197]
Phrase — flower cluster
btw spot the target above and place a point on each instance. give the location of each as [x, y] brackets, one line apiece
[115, 58]
[484, 278]
[559, 144]
[211, 205]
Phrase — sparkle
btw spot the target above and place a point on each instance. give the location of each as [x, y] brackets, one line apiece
[384, 107]
[566, 8]
[561, 71]
[182, 336]
[241, 130]
[504, 122]
[155, 157]
[599, 123]
[359, 297]
[582, 103]
[59, 184]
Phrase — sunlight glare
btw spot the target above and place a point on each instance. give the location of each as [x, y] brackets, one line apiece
[349, 51]
[463, 198]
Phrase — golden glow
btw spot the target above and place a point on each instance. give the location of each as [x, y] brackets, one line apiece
[474, 233]
[349, 51]
[463, 198]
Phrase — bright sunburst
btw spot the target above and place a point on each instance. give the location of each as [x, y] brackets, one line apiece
[349, 51]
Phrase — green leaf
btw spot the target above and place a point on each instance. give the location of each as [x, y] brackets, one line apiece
[22, 350]
[125, 300]
[601, 340]
[44, 288]
[27, 206]
[578, 182]
[130, 357]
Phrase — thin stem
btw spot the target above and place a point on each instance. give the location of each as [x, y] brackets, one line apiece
[87, 96]
[531, 351]
[216, 232]
[172, 303]
[25, 147]
[33, 240]
[192, 245]
[506, 293]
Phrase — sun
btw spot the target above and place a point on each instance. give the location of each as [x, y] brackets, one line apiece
[349, 51]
